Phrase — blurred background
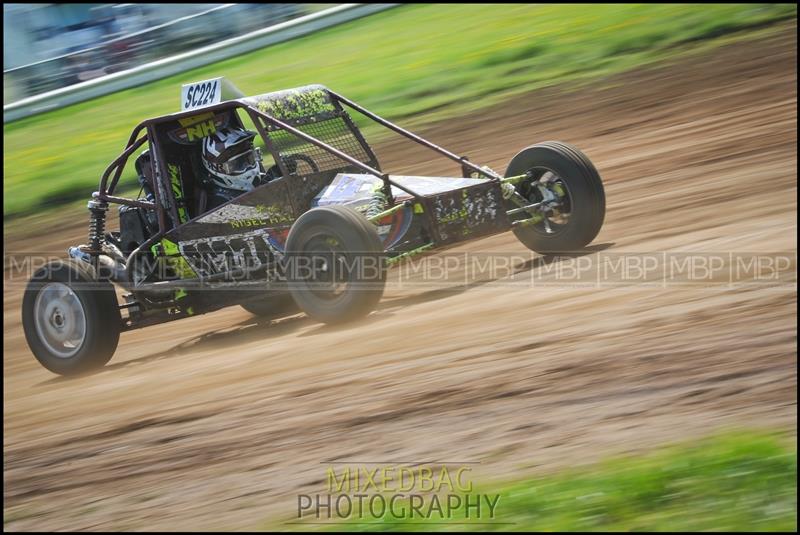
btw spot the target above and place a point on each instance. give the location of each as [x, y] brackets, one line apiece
[219, 422]
[49, 46]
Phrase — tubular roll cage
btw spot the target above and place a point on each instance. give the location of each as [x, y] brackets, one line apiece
[106, 189]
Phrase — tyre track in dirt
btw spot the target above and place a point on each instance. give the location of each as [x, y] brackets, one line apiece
[218, 422]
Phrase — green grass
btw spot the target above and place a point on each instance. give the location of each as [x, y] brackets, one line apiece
[437, 60]
[729, 482]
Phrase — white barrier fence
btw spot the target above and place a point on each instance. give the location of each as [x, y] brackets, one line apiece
[182, 62]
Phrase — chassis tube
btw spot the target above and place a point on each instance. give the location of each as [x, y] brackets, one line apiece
[410, 135]
[336, 152]
[116, 165]
[129, 202]
[268, 142]
[159, 175]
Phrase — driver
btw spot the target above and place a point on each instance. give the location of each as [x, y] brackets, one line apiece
[232, 163]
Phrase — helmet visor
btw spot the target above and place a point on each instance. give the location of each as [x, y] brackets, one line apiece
[240, 163]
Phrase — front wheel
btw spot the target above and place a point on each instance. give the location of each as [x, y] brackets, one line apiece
[71, 321]
[568, 191]
[335, 264]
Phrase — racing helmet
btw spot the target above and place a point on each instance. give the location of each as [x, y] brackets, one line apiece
[230, 158]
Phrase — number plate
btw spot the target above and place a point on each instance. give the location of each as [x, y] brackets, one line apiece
[201, 94]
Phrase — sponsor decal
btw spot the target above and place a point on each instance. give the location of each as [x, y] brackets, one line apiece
[197, 127]
[255, 222]
[173, 259]
[245, 251]
[175, 180]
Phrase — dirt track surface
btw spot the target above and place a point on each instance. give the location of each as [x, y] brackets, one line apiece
[218, 422]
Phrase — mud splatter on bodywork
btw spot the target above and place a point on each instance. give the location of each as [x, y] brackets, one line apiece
[301, 105]
[468, 213]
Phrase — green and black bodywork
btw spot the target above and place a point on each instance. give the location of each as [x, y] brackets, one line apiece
[174, 258]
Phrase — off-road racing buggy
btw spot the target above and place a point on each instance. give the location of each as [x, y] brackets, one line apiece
[319, 236]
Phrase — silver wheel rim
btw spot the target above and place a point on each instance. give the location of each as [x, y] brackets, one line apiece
[60, 319]
[556, 217]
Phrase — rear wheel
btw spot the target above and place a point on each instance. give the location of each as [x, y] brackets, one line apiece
[71, 322]
[335, 264]
[568, 188]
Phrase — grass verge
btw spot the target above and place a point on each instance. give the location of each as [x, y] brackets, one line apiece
[745, 481]
[412, 63]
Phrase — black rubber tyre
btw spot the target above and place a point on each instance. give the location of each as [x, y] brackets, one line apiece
[86, 301]
[586, 196]
[341, 238]
[272, 306]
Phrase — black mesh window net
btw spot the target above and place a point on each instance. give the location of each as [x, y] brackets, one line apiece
[302, 157]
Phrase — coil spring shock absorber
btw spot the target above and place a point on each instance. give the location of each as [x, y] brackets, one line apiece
[97, 229]
[377, 203]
